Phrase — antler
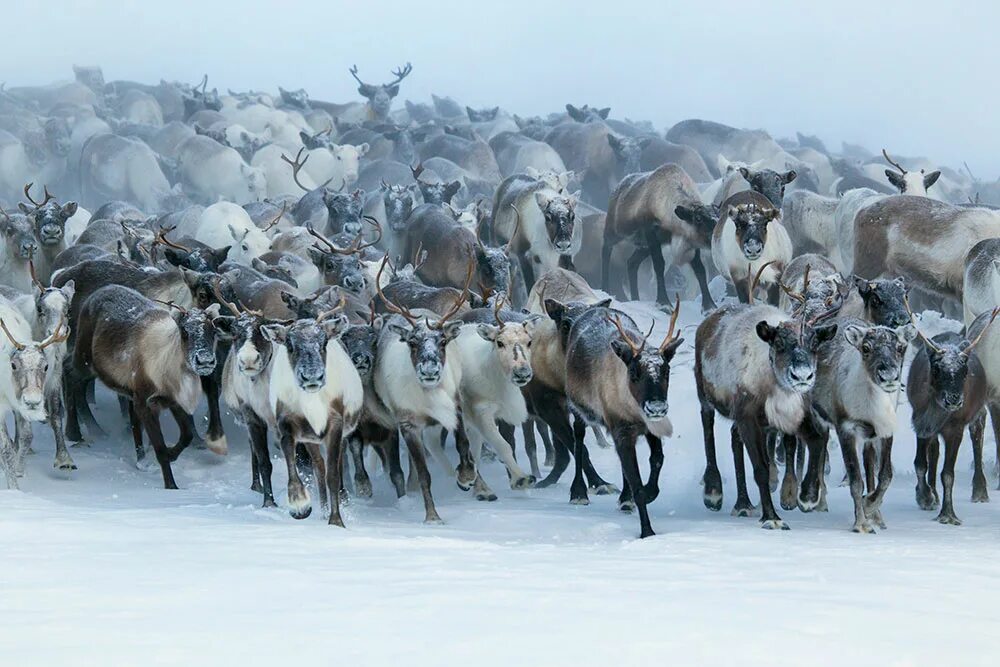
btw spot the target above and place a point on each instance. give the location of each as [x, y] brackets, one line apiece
[284, 207]
[517, 226]
[894, 164]
[48, 195]
[297, 165]
[55, 337]
[231, 307]
[419, 257]
[333, 311]
[671, 337]
[353, 69]
[974, 343]
[171, 304]
[756, 279]
[927, 341]
[161, 238]
[400, 73]
[34, 277]
[416, 171]
[458, 301]
[13, 341]
[636, 349]
[393, 308]
[798, 296]
[496, 310]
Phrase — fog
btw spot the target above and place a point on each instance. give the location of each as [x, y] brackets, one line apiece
[916, 77]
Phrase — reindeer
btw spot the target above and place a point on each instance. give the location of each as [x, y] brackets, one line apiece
[623, 386]
[656, 208]
[154, 357]
[747, 237]
[323, 209]
[19, 247]
[417, 380]
[342, 266]
[947, 389]
[909, 183]
[756, 365]
[380, 97]
[49, 219]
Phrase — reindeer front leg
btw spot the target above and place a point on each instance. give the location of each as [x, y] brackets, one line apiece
[54, 405]
[8, 457]
[23, 436]
[487, 426]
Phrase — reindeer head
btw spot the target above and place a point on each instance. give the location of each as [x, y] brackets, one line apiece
[882, 350]
[481, 115]
[360, 342]
[48, 217]
[700, 216]
[511, 344]
[885, 300]
[566, 314]
[399, 201]
[345, 210]
[793, 345]
[751, 227]
[57, 136]
[19, 234]
[200, 331]
[648, 367]
[28, 368]
[305, 343]
[587, 113]
[559, 211]
[628, 152]
[298, 99]
[554, 180]
[342, 266]
[768, 182]
[380, 97]
[910, 182]
[438, 193]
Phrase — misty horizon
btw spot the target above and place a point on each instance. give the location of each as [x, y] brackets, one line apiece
[907, 77]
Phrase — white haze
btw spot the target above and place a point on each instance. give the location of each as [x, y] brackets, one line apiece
[916, 77]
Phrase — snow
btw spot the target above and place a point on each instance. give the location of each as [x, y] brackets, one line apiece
[103, 566]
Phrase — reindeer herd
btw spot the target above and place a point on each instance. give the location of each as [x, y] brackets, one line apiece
[342, 277]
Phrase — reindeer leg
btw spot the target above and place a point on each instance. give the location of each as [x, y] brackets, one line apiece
[976, 429]
[8, 457]
[136, 426]
[742, 289]
[849, 450]
[554, 414]
[952, 441]
[814, 435]
[480, 488]
[707, 303]
[772, 460]
[70, 396]
[873, 503]
[23, 436]
[925, 499]
[606, 249]
[335, 469]
[933, 452]
[531, 447]
[655, 250]
[755, 440]
[467, 463]
[550, 452]
[743, 506]
[652, 488]
[362, 482]
[632, 269]
[871, 466]
[487, 425]
[298, 495]
[790, 483]
[86, 415]
[411, 434]
[54, 406]
[215, 439]
[393, 464]
[259, 454]
[320, 473]
[625, 446]
[712, 479]
[150, 419]
[596, 483]
[185, 423]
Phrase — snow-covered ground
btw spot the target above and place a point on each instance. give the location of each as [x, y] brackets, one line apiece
[102, 566]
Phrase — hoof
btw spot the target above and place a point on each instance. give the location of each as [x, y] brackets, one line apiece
[980, 494]
[80, 443]
[434, 520]
[579, 501]
[713, 501]
[269, 502]
[147, 464]
[646, 533]
[549, 461]
[487, 497]
[948, 519]
[926, 502]
[807, 505]
[363, 489]
[526, 482]
[744, 511]
[301, 513]
[64, 465]
[256, 486]
[605, 489]
[865, 527]
[336, 521]
[627, 507]
[544, 483]
[774, 524]
[218, 446]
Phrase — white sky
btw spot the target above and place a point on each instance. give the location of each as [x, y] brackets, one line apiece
[917, 77]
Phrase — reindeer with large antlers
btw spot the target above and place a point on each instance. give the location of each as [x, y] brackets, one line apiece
[343, 266]
[380, 97]
[330, 211]
[24, 376]
[948, 389]
[616, 379]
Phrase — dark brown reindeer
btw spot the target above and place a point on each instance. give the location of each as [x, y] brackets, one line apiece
[947, 389]
[152, 356]
[623, 387]
[656, 208]
[380, 97]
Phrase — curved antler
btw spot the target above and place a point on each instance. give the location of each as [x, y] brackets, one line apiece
[10, 336]
[400, 73]
[48, 195]
[974, 343]
[297, 165]
[171, 304]
[55, 338]
[927, 341]
[161, 239]
[392, 307]
[496, 310]
[231, 307]
[671, 336]
[636, 349]
[894, 164]
[458, 301]
[333, 311]
[34, 277]
[517, 226]
[756, 279]
[284, 207]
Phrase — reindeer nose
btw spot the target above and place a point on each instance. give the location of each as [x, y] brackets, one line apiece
[887, 375]
[522, 376]
[312, 379]
[752, 249]
[354, 282]
[352, 228]
[953, 401]
[802, 376]
[28, 248]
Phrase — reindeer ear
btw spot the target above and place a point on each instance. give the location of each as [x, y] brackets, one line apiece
[363, 149]
[225, 326]
[334, 326]
[745, 173]
[451, 331]
[487, 331]
[604, 303]
[276, 333]
[823, 335]
[615, 142]
[574, 113]
[553, 308]
[671, 349]
[400, 330]
[542, 199]
[931, 178]
[766, 332]
[69, 289]
[906, 333]
[604, 113]
[622, 349]
[896, 180]
[69, 208]
[789, 176]
[684, 213]
[855, 334]
[293, 301]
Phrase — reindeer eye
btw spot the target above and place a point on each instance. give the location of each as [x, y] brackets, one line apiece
[500, 343]
[529, 344]
[866, 348]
